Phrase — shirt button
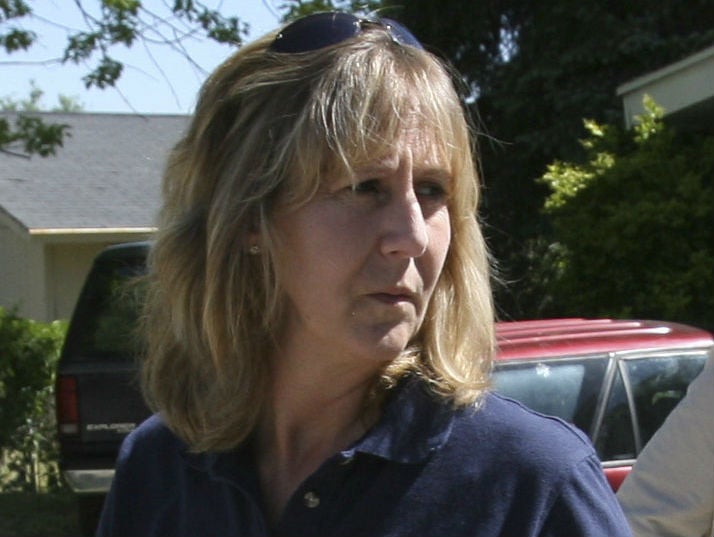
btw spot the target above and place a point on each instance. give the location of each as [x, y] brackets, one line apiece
[311, 500]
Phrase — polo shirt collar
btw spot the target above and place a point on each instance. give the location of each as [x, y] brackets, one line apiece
[413, 425]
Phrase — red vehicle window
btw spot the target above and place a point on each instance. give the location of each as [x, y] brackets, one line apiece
[618, 399]
[614, 439]
[657, 383]
[568, 388]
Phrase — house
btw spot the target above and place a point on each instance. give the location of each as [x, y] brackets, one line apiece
[685, 89]
[57, 212]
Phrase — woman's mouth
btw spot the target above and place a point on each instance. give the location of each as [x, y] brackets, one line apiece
[394, 298]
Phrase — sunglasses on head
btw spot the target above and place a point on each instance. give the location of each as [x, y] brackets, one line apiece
[321, 30]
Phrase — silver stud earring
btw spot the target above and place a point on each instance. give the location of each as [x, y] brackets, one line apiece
[254, 249]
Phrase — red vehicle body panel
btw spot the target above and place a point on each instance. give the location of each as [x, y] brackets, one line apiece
[568, 337]
[615, 476]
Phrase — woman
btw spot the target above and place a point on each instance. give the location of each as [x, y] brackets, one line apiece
[319, 320]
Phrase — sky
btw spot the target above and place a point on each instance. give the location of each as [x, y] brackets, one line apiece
[155, 80]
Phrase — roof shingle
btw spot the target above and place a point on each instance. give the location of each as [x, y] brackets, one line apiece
[107, 175]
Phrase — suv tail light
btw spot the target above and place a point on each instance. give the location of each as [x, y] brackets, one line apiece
[67, 406]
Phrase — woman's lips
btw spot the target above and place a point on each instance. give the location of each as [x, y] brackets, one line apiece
[393, 298]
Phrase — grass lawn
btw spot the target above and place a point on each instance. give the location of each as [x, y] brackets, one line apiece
[38, 515]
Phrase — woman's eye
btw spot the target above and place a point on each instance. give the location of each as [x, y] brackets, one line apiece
[430, 190]
[370, 186]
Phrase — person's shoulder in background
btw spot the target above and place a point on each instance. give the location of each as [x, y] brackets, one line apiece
[670, 491]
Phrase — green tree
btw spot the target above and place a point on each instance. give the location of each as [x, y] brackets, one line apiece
[22, 134]
[633, 224]
[109, 26]
[34, 103]
[28, 356]
[30, 134]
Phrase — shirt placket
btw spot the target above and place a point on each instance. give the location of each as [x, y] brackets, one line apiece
[310, 507]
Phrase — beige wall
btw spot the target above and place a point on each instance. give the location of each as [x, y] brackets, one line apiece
[22, 274]
[42, 276]
[67, 267]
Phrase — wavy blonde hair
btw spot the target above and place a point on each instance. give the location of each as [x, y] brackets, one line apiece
[269, 126]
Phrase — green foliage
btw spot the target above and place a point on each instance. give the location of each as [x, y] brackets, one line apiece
[124, 22]
[23, 134]
[33, 103]
[220, 29]
[105, 75]
[28, 135]
[567, 179]
[68, 104]
[16, 39]
[633, 224]
[29, 352]
[13, 8]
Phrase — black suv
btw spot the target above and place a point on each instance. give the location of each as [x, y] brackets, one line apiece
[97, 393]
[616, 380]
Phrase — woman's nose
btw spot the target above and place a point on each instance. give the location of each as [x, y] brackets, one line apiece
[404, 230]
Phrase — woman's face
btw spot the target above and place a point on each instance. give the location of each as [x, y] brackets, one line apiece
[359, 262]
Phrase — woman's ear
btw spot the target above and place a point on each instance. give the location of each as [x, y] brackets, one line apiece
[252, 240]
[252, 243]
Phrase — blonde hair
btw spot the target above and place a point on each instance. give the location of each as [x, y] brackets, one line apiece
[269, 126]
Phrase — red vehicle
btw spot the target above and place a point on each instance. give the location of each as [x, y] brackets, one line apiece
[617, 380]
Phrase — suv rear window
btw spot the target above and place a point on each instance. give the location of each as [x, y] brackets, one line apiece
[108, 312]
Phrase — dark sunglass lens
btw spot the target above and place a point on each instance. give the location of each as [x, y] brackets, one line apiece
[401, 34]
[315, 32]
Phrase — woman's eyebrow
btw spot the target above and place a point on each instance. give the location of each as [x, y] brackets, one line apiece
[438, 173]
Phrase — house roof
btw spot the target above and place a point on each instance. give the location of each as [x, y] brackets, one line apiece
[106, 177]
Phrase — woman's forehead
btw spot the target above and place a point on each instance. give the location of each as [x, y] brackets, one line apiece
[421, 145]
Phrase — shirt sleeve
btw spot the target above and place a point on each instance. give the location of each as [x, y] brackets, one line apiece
[141, 488]
[586, 505]
[119, 510]
[670, 491]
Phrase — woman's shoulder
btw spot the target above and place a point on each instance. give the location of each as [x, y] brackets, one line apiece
[151, 456]
[506, 428]
[150, 437]
[151, 430]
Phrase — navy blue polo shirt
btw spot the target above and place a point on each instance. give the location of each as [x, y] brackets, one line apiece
[423, 470]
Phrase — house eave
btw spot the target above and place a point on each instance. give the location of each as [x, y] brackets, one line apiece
[56, 235]
[684, 89]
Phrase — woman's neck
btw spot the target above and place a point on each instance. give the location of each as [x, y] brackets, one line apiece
[310, 416]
